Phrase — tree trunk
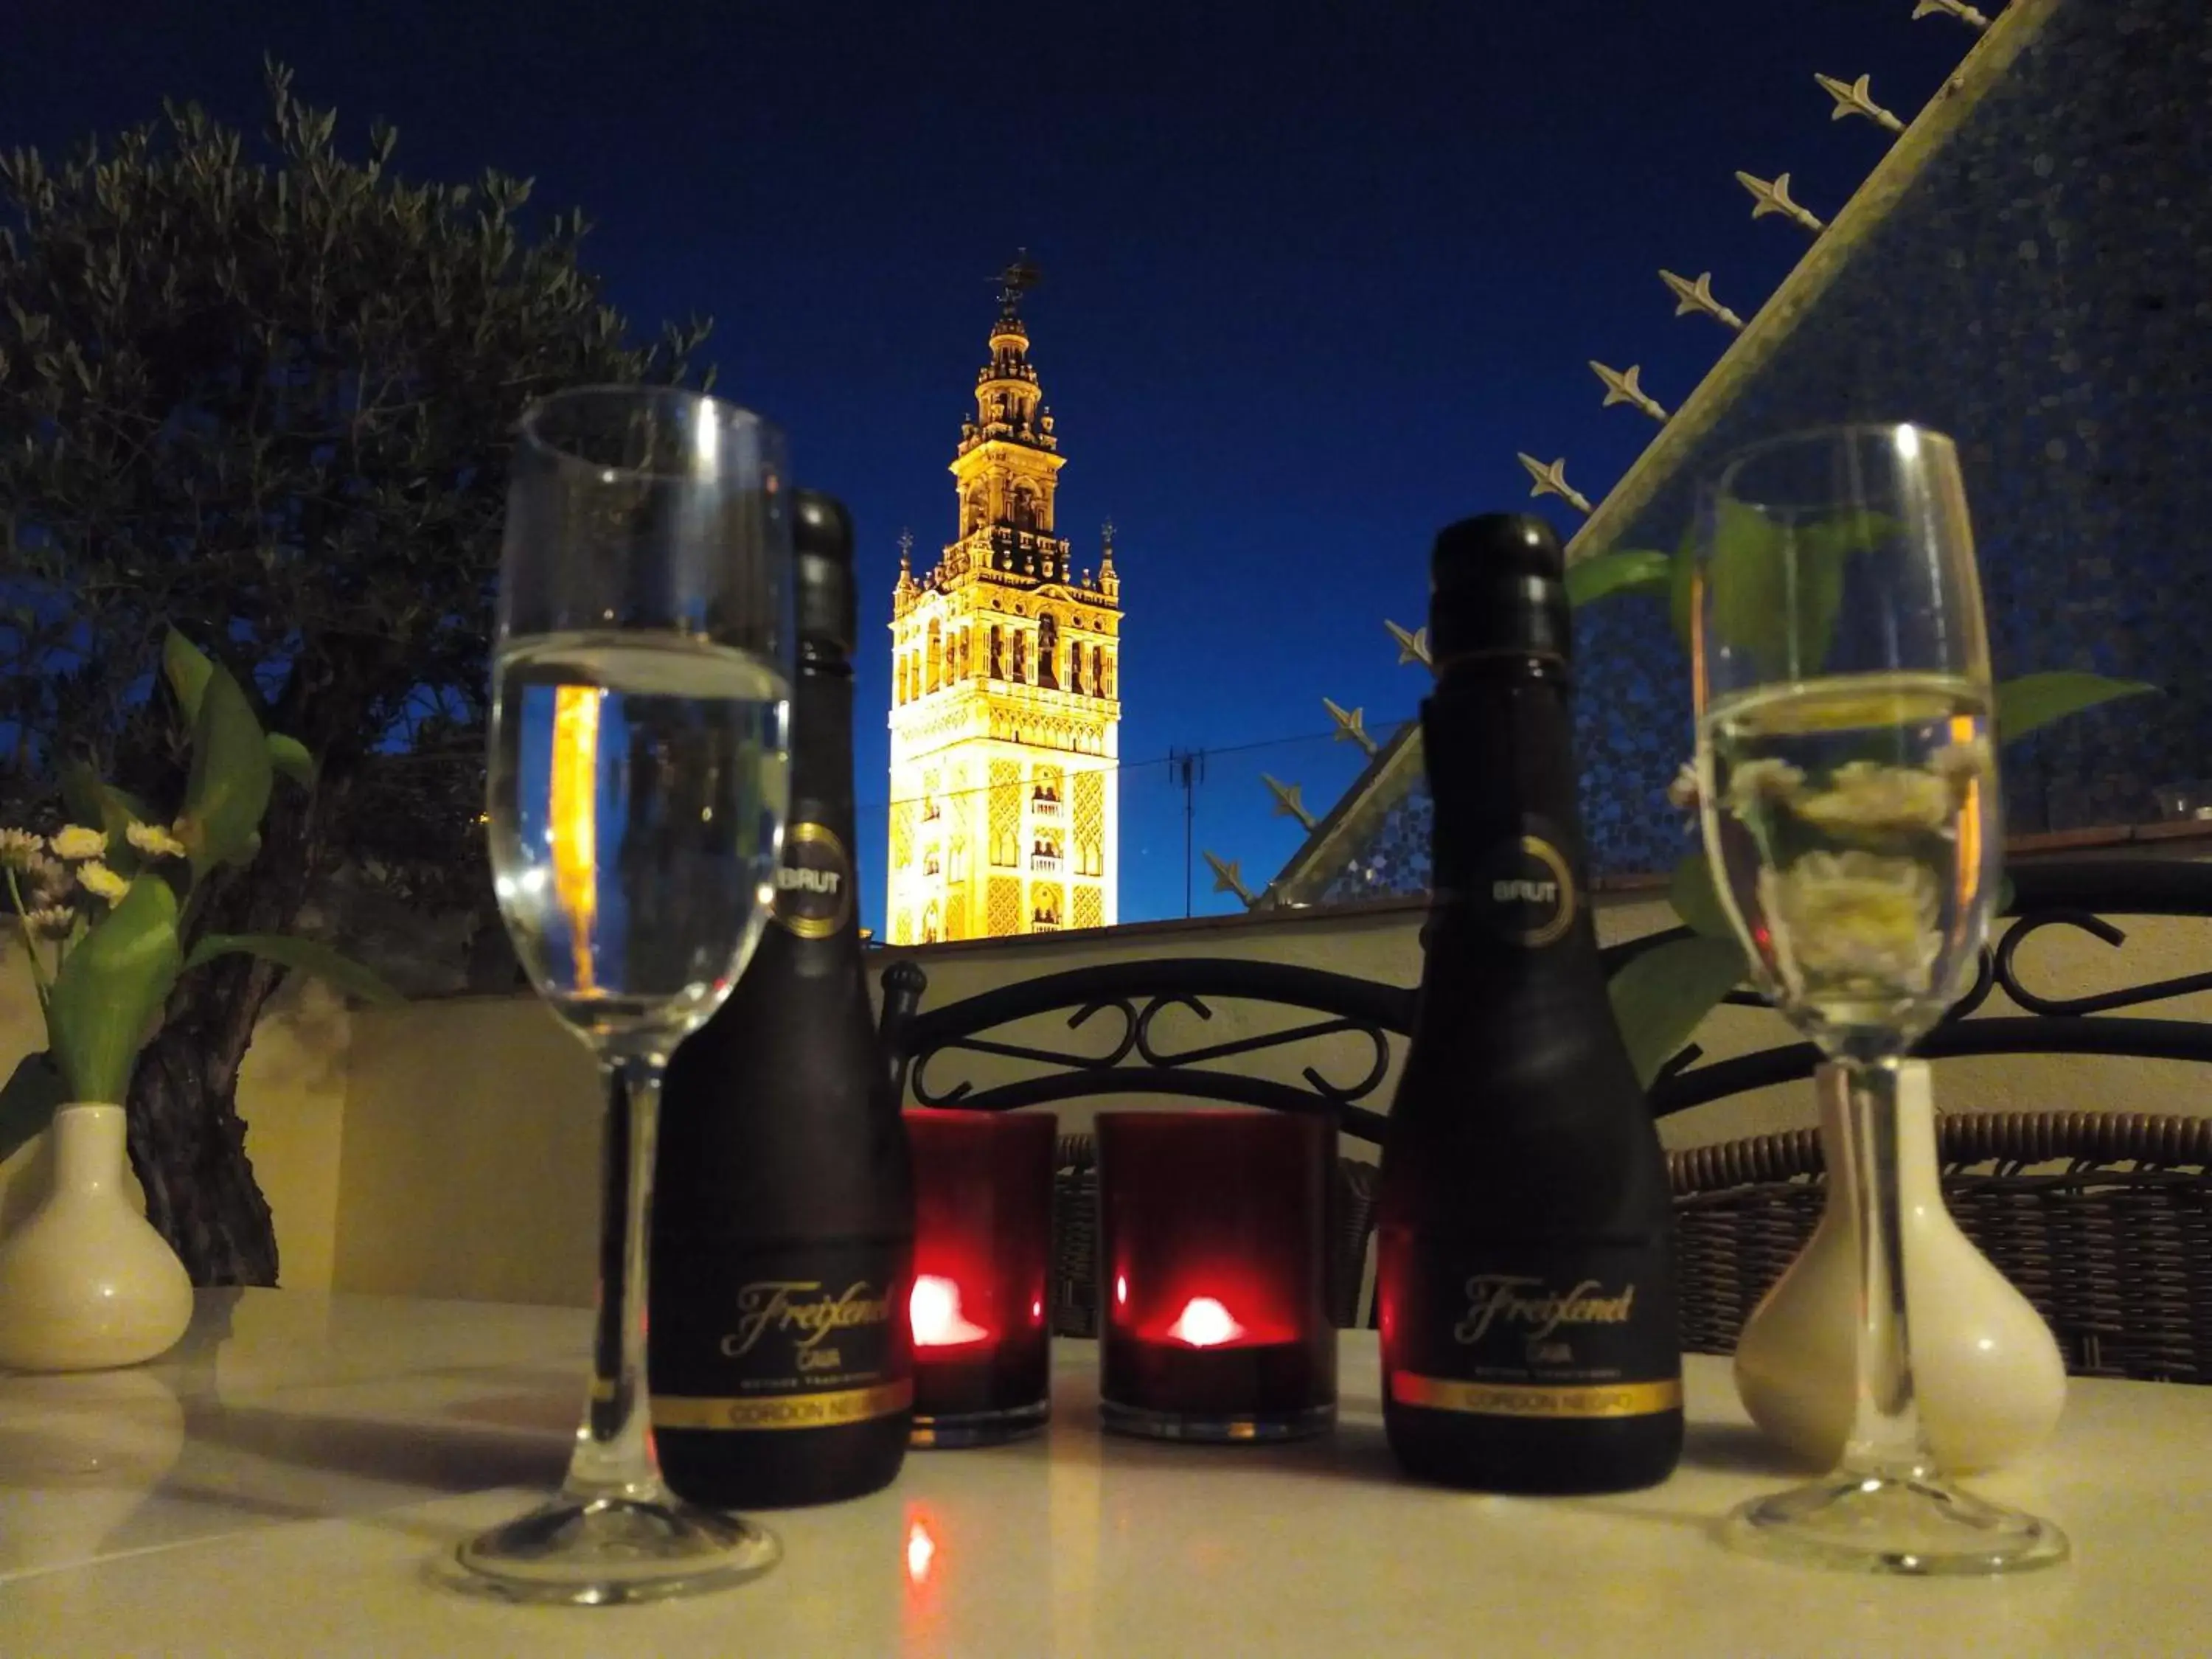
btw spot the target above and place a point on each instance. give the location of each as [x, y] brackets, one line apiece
[187, 1141]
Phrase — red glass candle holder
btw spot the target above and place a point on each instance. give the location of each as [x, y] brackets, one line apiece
[982, 1267]
[1214, 1275]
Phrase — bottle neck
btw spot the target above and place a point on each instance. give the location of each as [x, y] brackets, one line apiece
[1506, 845]
[817, 894]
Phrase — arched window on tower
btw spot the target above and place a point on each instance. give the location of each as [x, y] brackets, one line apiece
[1099, 670]
[1025, 512]
[1075, 668]
[997, 653]
[1021, 658]
[934, 676]
[1106, 678]
[1048, 651]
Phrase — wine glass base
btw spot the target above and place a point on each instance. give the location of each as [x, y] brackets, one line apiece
[597, 1552]
[1918, 1527]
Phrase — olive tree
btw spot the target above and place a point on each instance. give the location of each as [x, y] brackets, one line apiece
[263, 392]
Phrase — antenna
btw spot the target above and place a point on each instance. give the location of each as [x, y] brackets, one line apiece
[1186, 770]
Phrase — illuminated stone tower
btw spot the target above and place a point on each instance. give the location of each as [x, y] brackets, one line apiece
[1005, 712]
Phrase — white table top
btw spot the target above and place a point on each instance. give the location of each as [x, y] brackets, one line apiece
[277, 1485]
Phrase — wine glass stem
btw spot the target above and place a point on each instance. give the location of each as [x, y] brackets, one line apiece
[614, 1456]
[1885, 1439]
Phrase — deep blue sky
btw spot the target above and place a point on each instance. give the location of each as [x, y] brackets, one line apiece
[1313, 272]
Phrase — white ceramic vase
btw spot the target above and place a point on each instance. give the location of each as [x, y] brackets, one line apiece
[85, 1283]
[1989, 1377]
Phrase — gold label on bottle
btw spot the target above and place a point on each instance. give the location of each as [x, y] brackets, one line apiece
[1530, 893]
[788, 1411]
[1556, 1399]
[813, 883]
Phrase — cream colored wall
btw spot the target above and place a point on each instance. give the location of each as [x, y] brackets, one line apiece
[291, 1092]
[471, 1154]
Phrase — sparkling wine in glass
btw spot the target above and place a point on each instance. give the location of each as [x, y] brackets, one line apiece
[1850, 801]
[638, 787]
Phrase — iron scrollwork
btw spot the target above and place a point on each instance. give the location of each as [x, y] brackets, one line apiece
[2066, 894]
[1132, 1026]
[1143, 1057]
[2098, 1002]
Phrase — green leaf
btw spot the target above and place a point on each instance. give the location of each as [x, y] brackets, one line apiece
[1854, 532]
[1626, 570]
[188, 670]
[28, 1102]
[1751, 582]
[2036, 700]
[111, 989]
[1681, 589]
[228, 789]
[1691, 894]
[1662, 995]
[1776, 589]
[290, 758]
[305, 955]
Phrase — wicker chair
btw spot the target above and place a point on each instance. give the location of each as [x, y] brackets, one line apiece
[2103, 1220]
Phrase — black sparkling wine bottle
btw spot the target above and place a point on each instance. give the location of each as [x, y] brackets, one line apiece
[780, 1348]
[1524, 1271]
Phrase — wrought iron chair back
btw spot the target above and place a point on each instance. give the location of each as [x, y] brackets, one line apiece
[2065, 1228]
[1125, 1046]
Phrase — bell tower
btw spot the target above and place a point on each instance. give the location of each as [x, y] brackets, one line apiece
[1005, 686]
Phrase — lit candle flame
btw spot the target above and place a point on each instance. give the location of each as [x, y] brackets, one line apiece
[1204, 1323]
[934, 1308]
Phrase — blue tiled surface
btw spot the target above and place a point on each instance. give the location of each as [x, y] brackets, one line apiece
[2043, 293]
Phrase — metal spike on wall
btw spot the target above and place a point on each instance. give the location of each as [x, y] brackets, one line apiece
[1955, 9]
[1693, 297]
[1621, 387]
[1857, 98]
[1229, 879]
[1350, 727]
[1773, 196]
[1290, 801]
[1412, 647]
[1551, 480]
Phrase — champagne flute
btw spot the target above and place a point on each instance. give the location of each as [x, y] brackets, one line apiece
[1847, 772]
[641, 678]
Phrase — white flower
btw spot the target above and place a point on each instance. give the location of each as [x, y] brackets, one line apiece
[1869, 798]
[154, 840]
[1756, 782]
[1962, 763]
[46, 881]
[97, 880]
[1853, 917]
[53, 921]
[77, 843]
[20, 848]
[1682, 793]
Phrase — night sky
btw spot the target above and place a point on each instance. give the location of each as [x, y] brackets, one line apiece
[1312, 273]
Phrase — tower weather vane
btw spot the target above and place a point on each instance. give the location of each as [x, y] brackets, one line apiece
[1018, 279]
